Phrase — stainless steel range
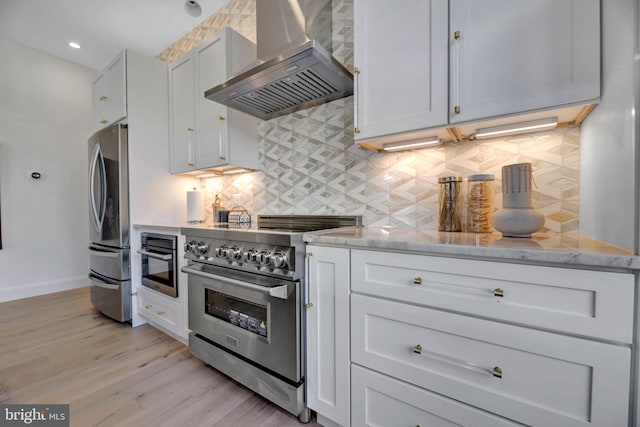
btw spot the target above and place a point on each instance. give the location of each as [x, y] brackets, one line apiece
[246, 294]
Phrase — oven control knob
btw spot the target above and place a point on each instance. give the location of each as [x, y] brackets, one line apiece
[188, 246]
[234, 254]
[201, 248]
[221, 251]
[264, 257]
[279, 260]
[251, 255]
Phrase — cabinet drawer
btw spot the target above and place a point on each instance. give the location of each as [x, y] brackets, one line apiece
[379, 400]
[582, 302]
[530, 376]
[159, 309]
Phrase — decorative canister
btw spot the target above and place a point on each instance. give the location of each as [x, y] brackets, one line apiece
[517, 218]
[480, 195]
[450, 188]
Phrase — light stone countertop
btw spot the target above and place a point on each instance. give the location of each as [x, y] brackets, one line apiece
[159, 227]
[568, 249]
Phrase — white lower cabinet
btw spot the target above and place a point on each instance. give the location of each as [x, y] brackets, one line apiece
[438, 341]
[328, 333]
[379, 400]
[159, 309]
[530, 376]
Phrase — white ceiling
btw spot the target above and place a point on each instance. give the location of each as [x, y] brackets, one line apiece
[101, 27]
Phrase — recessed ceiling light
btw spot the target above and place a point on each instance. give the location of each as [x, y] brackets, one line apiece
[74, 45]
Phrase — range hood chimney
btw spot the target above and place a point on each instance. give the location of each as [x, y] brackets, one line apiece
[295, 68]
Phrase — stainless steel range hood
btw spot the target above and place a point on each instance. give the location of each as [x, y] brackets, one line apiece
[295, 68]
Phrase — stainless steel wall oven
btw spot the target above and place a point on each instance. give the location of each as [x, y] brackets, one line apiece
[158, 254]
[245, 302]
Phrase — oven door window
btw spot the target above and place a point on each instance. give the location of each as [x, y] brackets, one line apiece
[158, 269]
[243, 314]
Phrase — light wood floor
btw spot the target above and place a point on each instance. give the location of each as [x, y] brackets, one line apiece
[57, 349]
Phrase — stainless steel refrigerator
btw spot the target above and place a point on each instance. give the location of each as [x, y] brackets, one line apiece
[109, 251]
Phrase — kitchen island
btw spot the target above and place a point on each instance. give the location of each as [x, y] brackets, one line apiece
[471, 329]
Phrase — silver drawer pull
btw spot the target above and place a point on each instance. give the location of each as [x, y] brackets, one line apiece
[497, 372]
[417, 281]
[498, 292]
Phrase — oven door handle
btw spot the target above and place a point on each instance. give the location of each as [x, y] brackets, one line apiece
[164, 257]
[276, 291]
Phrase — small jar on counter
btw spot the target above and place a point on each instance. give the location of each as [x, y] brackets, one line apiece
[480, 196]
[450, 189]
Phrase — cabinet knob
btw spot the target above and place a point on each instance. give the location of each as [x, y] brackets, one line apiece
[356, 130]
[356, 70]
[497, 372]
[498, 292]
[222, 158]
[189, 129]
[191, 164]
[456, 35]
[308, 305]
[160, 313]
[220, 117]
[417, 349]
[104, 122]
[104, 98]
[456, 109]
[417, 281]
[147, 307]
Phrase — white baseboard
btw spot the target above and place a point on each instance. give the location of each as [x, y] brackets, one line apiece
[42, 288]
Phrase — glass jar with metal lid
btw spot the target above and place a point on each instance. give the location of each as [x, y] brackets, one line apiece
[450, 189]
[480, 196]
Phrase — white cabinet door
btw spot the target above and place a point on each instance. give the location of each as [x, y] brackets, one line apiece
[328, 333]
[401, 55]
[100, 91]
[210, 70]
[182, 114]
[514, 56]
[110, 93]
[117, 80]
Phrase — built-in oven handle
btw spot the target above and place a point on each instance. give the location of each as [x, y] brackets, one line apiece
[102, 284]
[276, 291]
[164, 257]
[103, 253]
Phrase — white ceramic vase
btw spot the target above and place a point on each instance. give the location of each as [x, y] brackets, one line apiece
[517, 218]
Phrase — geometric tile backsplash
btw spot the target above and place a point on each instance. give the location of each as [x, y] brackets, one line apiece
[309, 163]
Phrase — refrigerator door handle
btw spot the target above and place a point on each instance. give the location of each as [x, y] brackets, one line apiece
[96, 281]
[98, 209]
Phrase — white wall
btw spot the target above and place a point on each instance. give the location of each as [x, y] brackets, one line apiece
[608, 137]
[45, 109]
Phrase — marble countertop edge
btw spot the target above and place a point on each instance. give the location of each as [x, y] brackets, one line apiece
[549, 249]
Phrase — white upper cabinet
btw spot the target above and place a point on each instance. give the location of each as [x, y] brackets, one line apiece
[182, 114]
[430, 65]
[205, 134]
[110, 93]
[400, 59]
[514, 56]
